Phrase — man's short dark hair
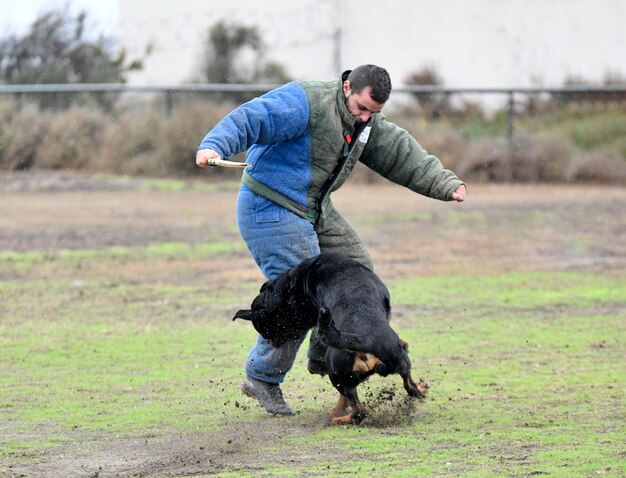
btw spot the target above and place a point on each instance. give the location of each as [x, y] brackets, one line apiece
[374, 76]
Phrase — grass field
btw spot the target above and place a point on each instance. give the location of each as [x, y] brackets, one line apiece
[118, 356]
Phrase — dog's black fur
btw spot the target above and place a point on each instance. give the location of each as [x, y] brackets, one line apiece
[351, 307]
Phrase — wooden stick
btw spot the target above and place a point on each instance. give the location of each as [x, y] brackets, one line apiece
[227, 164]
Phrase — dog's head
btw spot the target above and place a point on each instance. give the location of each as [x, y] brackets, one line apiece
[279, 312]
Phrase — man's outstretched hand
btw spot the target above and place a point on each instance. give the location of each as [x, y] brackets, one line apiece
[459, 193]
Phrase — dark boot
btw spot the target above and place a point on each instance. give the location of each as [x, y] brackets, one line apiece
[269, 395]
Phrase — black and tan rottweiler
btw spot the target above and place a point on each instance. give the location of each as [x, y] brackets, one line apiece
[351, 307]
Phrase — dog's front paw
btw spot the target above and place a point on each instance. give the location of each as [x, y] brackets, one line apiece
[422, 387]
[353, 418]
[417, 390]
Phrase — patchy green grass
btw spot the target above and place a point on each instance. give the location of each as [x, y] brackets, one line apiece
[527, 377]
[77, 259]
[111, 373]
[592, 129]
[526, 369]
[535, 290]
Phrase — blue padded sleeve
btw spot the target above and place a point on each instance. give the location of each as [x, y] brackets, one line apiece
[279, 115]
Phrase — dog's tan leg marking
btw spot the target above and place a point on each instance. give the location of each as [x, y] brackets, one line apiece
[341, 420]
[357, 416]
[364, 362]
[410, 386]
[405, 345]
[341, 406]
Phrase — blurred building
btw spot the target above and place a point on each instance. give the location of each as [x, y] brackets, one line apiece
[478, 43]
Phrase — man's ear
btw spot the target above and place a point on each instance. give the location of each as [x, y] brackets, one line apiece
[347, 88]
[244, 314]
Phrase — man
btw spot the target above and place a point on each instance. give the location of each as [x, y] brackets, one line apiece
[304, 139]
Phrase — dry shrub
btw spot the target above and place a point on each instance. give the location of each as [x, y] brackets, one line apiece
[8, 107]
[448, 145]
[182, 134]
[129, 144]
[553, 155]
[522, 159]
[526, 159]
[21, 132]
[71, 140]
[597, 167]
[485, 160]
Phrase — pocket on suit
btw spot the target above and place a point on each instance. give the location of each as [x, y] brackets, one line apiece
[266, 211]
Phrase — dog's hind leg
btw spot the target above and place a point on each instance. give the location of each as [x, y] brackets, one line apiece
[340, 408]
[358, 409]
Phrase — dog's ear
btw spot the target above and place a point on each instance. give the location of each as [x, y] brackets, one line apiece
[387, 304]
[258, 316]
[244, 314]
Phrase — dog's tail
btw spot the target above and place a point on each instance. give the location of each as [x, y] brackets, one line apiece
[333, 337]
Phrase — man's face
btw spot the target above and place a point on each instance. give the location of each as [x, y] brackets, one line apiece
[360, 105]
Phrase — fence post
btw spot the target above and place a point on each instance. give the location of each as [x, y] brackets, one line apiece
[169, 93]
[510, 127]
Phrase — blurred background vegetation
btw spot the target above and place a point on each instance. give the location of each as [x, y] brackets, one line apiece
[557, 138]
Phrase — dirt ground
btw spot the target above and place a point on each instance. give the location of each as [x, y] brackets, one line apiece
[517, 226]
[499, 228]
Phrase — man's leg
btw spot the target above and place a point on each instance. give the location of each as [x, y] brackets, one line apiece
[334, 235]
[278, 240]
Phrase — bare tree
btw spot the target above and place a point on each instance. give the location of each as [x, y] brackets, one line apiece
[236, 54]
[55, 50]
[432, 104]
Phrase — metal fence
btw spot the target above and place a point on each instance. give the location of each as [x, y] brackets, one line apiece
[602, 93]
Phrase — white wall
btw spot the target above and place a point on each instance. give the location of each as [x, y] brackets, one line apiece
[484, 43]
[478, 43]
[297, 32]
